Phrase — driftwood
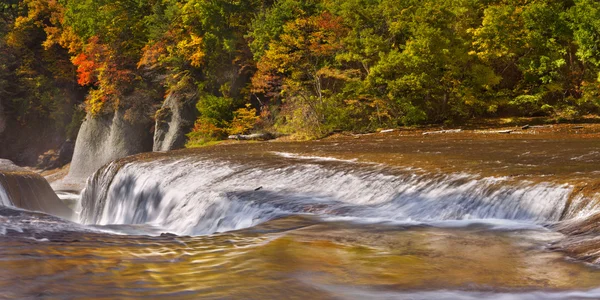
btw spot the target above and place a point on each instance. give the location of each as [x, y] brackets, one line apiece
[536, 126]
[253, 137]
[442, 131]
[509, 131]
[504, 131]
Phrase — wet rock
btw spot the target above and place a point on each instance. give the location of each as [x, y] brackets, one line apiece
[103, 139]
[168, 234]
[174, 120]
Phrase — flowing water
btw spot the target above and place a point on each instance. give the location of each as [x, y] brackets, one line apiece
[337, 219]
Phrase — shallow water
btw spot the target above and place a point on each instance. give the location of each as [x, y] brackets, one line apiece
[297, 257]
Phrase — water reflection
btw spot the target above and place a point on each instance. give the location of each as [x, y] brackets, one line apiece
[294, 257]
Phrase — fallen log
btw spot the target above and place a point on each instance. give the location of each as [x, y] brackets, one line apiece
[509, 131]
[442, 131]
[253, 137]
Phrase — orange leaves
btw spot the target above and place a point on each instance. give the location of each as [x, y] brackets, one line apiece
[89, 61]
[85, 69]
[99, 66]
[327, 38]
[303, 52]
[152, 55]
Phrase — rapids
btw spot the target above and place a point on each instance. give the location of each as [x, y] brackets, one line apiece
[200, 195]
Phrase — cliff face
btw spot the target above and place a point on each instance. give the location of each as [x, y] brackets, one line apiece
[23, 143]
[103, 139]
[24, 136]
[175, 118]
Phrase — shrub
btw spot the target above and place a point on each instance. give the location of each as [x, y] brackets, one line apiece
[244, 120]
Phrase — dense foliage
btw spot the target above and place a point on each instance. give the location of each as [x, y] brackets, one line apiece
[307, 67]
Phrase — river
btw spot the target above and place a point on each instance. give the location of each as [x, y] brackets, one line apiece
[395, 216]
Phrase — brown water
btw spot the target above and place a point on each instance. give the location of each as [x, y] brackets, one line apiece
[384, 216]
[295, 258]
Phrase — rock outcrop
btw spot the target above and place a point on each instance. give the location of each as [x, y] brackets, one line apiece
[53, 159]
[103, 139]
[27, 190]
[174, 119]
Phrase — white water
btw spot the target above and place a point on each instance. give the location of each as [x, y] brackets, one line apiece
[354, 293]
[4, 199]
[200, 196]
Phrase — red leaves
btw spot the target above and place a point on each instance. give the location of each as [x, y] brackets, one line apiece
[85, 69]
[307, 45]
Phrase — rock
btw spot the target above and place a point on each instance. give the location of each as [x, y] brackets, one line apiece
[65, 153]
[47, 160]
[55, 159]
[168, 235]
[174, 120]
[103, 139]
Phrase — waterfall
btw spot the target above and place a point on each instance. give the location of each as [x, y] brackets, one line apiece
[196, 195]
[30, 191]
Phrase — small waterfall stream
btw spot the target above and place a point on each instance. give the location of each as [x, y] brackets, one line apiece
[195, 196]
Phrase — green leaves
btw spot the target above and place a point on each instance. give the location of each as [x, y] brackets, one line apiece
[321, 65]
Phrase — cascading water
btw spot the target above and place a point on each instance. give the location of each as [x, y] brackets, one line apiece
[30, 191]
[201, 196]
[4, 199]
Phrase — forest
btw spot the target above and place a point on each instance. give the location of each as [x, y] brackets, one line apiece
[306, 68]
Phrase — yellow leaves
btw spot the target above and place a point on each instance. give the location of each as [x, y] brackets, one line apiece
[95, 102]
[45, 14]
[153, 54]
[243, 121]
[345, 75]
[191, 49]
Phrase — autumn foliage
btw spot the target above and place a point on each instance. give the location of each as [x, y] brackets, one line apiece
[311, 67]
